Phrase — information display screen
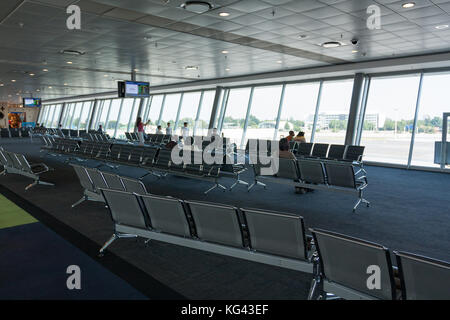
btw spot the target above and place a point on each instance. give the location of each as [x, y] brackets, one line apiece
[133, 89]
[32, 102]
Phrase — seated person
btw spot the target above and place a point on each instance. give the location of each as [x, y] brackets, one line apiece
[158, 130]
[291, 136]
[300, 137]
[284, 150]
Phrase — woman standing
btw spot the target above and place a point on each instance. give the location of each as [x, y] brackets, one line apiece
[140, 128]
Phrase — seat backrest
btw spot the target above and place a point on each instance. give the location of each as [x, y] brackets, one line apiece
[354, 153]
[3, 159]
[304, 149]
[287, 169]
[133, 185]
[167, 215]
[16, 162]
[84, 178]
[164, 157]
[24, 162]
[9, 159]
[340, 174]
[128, 136]
[311, 171]
[113, 181]
[115, 151]
[148, 155]
[97, 178]
[423, 278]
[216, 223]
[336, 151]
[348, 261]
[124, 208]
[276, 233]
[125, 152]
[320, 150]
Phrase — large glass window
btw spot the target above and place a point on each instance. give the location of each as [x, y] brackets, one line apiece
[69, 115]
[124, 118]
[76, 115]
[188, 111]
[389, 119]
[113, 116]
[434, 102]
[53, 123]
[263, 113]
[85, 115]
[201, 126]
[134, 115]
[170, 110]
[299, 108]
[236, 110]
[153, 113]
[333, 112]
[103, 114]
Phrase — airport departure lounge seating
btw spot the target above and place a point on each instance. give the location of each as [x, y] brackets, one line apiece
[343, 267]
[329, 175]
[18, 164]
[155, 159]
[210, 227]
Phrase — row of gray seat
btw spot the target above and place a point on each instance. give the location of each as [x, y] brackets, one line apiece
[93, 180]
[340, 265]
[15, 132]
[15, 163]
[318, 174]
[158, 161]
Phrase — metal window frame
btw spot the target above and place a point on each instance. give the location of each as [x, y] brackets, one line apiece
[413, 135]
[199, 109]
[161, 110]
[130, 119]
[280, 110]
[180, 105]
[316, 113]
[118, 117]
[247, 115]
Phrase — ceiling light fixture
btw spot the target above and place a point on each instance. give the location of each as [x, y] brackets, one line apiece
[331, 44]
[303, 36]
[31, 74]
[1, 84]
[197, 6]
[65, 84]
[408, 5]
[442, 26]
[191, 68]
[224, 51]
[224, 14]
[38, 90]
[13, 80]
[136, 70]
[72, 52]
[69, 62]
[355, 51]
[45, 70]
[227, 69]
[279, 61]
[50, 87]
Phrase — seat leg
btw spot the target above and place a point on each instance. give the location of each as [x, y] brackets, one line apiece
[31, 185]
[238, 181]
[85, 198]
[357, 204]
[113, 238]
[212, 188]
[45, 183]
[256, 183]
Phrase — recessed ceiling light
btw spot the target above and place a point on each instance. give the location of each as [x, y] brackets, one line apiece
[50, 87]
[69, 62]
[279, 61]
[72, 52]
[408, 5]
[105, 75]
[303, 36]
[135, 70]
[1, 84]
[227, 69]
[45, 70]
[442, 26]
[224, 51]
[331, 44]
[355, 51]
[197, 6]
[65, 84]
[31, 74]
[224, 14]
[191, 68]
[38, 90]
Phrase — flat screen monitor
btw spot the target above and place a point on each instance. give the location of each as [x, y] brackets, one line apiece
[134, 89]
[32, 102]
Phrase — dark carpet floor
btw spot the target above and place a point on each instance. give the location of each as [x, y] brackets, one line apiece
[409, 211]
[34, 261]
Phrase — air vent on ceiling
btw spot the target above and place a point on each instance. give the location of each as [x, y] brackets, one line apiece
[197, 6]
[72, 52]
